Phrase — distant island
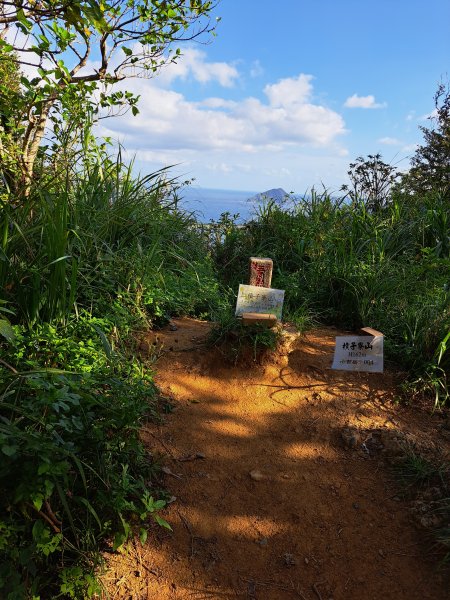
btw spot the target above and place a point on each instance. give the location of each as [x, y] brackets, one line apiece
[276, 194]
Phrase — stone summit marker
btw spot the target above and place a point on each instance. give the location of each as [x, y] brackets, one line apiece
[260, 271]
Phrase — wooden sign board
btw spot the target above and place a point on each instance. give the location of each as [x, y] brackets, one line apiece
[254, 299]
[358, 353]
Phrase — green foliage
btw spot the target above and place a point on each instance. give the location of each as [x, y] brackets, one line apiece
[430, 164]
[101, 237]
[414, 470]
[92, 253]
[81, 474]
[426, 478]
[84, 261]
[9, 146]
[372, 180]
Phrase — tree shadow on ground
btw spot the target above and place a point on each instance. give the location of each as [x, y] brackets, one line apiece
[268, 502]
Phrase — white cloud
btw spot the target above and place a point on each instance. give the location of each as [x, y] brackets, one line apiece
[220, 167]
[410, 148]
[432, 115]
[216, 103]
[248, 140]
[389, 141]
[168, 120]
[356, 101]
[296, 169]
[256, 70]
[290, 92]
[193, 64]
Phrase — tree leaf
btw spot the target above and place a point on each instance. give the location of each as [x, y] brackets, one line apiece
[9, 450]
[7, 331]
[143, 534]
[162, 522]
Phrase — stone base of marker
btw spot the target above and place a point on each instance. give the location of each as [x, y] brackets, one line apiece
[267, 320]
[260, 271]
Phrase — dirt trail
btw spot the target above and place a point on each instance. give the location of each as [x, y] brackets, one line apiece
[270, 504]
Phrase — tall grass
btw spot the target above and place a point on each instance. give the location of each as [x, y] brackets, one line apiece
[100, 233]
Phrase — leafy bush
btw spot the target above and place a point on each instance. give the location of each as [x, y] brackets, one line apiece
[81, 474]
[84, 262]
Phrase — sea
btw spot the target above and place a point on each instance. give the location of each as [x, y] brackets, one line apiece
[208, 204]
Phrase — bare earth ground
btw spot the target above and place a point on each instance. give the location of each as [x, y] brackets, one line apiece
[275, 498]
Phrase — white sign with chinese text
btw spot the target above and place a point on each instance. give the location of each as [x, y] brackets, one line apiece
[358, 353]
[259, 300]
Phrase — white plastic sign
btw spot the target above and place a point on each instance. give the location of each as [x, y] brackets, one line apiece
[259, 300]
[358, 353]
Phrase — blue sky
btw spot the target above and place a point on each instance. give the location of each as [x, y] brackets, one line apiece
[290, 92]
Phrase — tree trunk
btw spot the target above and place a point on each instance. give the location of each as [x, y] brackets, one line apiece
[32, 140]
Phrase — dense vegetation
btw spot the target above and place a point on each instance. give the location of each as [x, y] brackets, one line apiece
[91, 253]
[342, 264]
[82, 268]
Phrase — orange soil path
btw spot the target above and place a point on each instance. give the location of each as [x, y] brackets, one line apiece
[269, 503]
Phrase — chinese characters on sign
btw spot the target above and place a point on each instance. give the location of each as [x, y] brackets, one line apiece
[261, 272]
[359, 353]
[259, 300]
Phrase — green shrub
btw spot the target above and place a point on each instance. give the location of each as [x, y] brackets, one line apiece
[71, 439]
